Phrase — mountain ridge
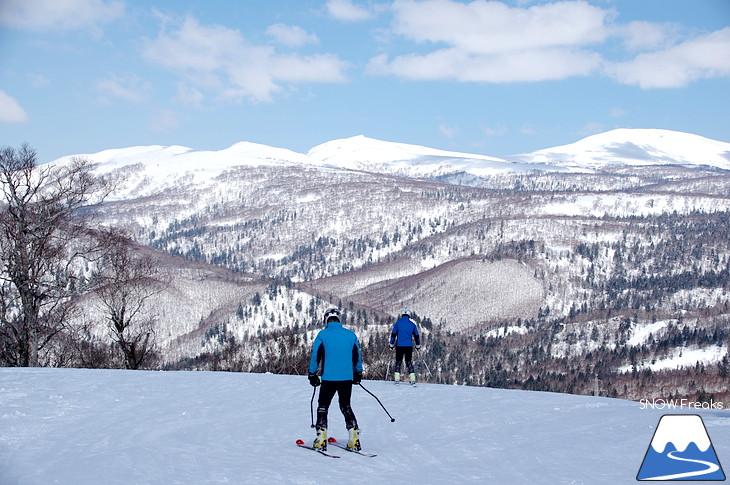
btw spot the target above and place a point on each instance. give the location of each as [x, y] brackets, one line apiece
[616, 147]
[537, 278]
[626, 146]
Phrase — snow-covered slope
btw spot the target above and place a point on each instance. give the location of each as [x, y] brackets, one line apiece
[370, 155]
[150, 169]
[86, 427]
[636, 147]
[451, 293]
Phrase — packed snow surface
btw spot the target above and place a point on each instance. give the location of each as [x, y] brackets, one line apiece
[84, 427]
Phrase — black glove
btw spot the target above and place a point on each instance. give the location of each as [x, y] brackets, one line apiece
[313, 379]
[356, 377]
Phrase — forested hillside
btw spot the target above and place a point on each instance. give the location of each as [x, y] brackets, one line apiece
[611, 279]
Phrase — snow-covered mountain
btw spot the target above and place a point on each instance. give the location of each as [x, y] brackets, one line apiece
[158, 167]
[370, 155]
[548, 270]
[148, 170]
[86, 427]
[635, 147]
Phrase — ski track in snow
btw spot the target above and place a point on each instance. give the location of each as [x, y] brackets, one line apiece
[84, 427]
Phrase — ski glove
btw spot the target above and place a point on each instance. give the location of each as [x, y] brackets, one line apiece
[313, 379]
[418, 346]
[357, 377]
[391, 346]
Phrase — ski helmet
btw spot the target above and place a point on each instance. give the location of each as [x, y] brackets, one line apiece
[406, 312]
[332, 313]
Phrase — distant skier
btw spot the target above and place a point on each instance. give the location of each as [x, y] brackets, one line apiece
[402, 338]
[336, 351]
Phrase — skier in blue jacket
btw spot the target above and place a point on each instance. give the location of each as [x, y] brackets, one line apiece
[403, 336]
[336, 352]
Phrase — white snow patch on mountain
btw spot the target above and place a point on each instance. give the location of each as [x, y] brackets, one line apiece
[641, 334]
[622, 204]
[683, 357]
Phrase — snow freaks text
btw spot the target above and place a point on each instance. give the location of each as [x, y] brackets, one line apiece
[679, 404]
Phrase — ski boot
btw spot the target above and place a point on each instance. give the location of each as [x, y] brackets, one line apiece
[354, 441]
[396, 377]
[412, 377]
[320, 442]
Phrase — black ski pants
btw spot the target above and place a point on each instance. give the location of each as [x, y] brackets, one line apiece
[344, 393]
[400, 353]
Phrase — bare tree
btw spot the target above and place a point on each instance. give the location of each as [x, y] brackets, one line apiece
[41, 238]
[127, 279]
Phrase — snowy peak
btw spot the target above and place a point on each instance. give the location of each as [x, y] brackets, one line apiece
[636, 147]
[181, 159]
[148, 170]
[363, 150]
[368, 154]
[161, 166]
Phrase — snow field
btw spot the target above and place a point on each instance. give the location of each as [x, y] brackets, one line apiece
[74, 426]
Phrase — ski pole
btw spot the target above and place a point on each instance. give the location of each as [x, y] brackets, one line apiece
[387, 369]
[311, 405]
[392, 419]
[424, 363]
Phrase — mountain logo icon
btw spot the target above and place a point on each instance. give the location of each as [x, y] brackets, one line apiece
[680, 450]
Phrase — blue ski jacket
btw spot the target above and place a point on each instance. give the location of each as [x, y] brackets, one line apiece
[337, 351]
[404, 333]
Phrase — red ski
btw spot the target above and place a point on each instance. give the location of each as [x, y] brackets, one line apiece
[302, 444]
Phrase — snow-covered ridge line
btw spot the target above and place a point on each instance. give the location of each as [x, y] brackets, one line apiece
[616, 147]
[636, 147]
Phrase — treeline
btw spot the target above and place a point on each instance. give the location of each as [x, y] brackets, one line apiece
[528, 357]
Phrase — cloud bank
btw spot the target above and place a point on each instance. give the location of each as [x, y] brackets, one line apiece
[491, 42]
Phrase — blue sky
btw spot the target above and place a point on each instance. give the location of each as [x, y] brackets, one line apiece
[497, 78]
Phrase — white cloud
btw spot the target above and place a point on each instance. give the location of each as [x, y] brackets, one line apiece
[448, 131]
[189, 95]
[491, 41]
[348, 11]
[220, 59]
[163, 120]
[591, 128]
[641, 35]
[128, 87]
[10, 110]
[59, 14]
[39, 80]
[702, 57]
[499, 130]
[291, 35]
[494, 28]
[485, 41]
[528, 130]
[527, 66]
